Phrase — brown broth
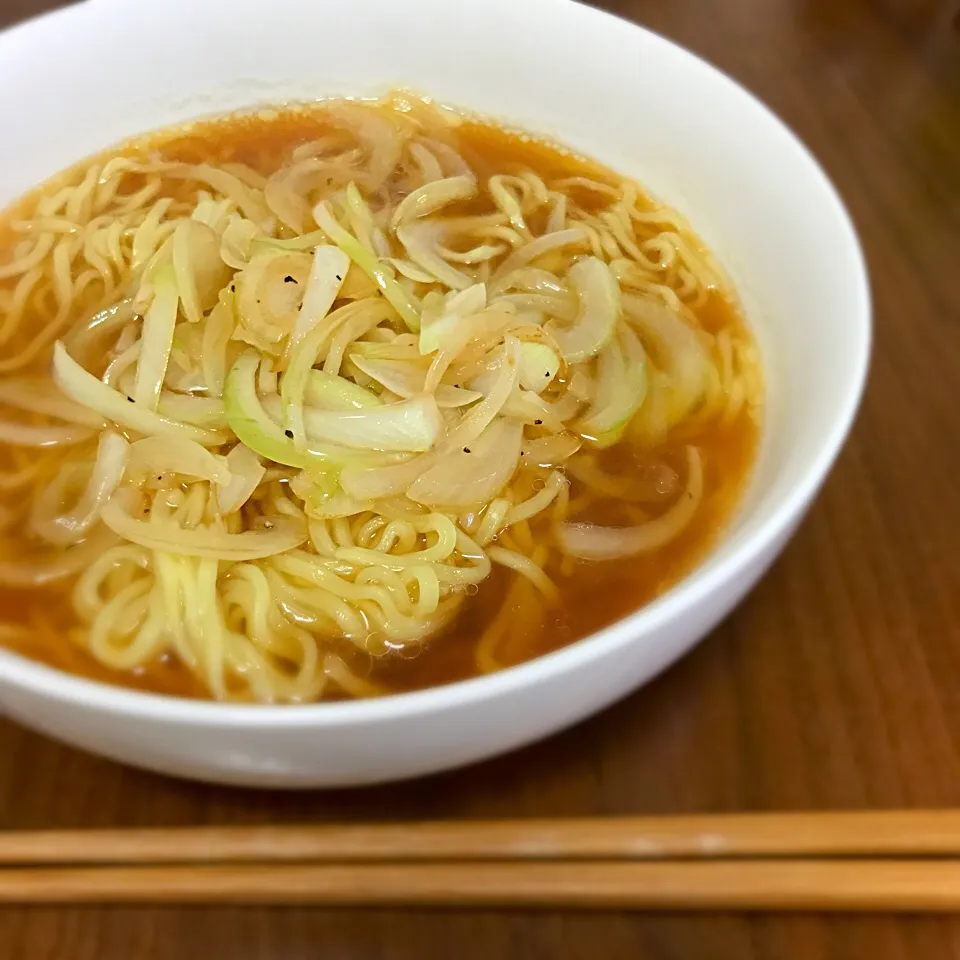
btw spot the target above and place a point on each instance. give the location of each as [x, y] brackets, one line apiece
[594, 596]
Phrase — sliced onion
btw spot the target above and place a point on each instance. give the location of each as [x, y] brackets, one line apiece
[285, 203]
[473, 335]
[377, 134]
[329, 269]
[41, 396]
[339, 505]
[476, 421]
[238, 242]
[213, 213]
[226, 183]
[157, 338]
[406, 379]
[538, 366]
[86, 389]
[536, 280]
[367, 483]
[410, 426]
[428, 164]
[411, 271]
[26, 573]
[432, 197]
[357, 285]
[257, 424]
[349, 323]
[472, 475]
[400, 348]
[361, 221]
[268, 303]
[166, 455]
[530, 408]
[378, 272]
[278, 535]
[478, 254]
[213, 346]
[149, 235]
[421, 240]
[453, 163]
[448, 397]
[434, 333]
[561, 409]
[26, 435]
[599, 296]
[620, 392]
[550, 451]
[504, 198]
[294, 384]
[302, 244]
[539, 304]
[198, 411]
[254, 427]
[200, 271]
[330, 337]
[332, 392]
[120, 368]
[588, 541]
[676, 349]
[542, 499]
[108, 469]
[246, 473]
[645, 483]
[530, 251]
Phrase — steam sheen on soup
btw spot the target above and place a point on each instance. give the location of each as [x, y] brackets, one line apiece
[351, 398]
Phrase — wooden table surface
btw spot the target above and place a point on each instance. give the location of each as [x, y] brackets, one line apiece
[835, 685]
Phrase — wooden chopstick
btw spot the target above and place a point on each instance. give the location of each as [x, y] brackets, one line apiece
[834, 885]
[907, 833]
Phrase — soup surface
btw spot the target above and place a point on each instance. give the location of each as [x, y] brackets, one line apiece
[354, 398]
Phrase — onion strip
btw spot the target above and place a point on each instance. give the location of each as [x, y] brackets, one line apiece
[112, 455]
[157, 339]
[278, 535]
[588, 541]
[378, 272]
[84, 388]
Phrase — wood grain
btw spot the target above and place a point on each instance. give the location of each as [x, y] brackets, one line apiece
[822, 886]
[835, 686]
[875, 834]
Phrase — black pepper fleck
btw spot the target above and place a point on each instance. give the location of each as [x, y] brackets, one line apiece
[466, 449]
[339, 277]
[288, 433]
[130, 399]
[233, 288]
[289, 279]
[538, 422]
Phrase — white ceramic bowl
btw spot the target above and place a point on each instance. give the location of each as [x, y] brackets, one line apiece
[92, 75]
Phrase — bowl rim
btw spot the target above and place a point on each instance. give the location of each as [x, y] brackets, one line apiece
[703, 580]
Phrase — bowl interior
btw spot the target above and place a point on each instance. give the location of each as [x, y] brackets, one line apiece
[622, 95]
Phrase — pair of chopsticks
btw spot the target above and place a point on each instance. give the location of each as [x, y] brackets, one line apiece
[858, 861]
